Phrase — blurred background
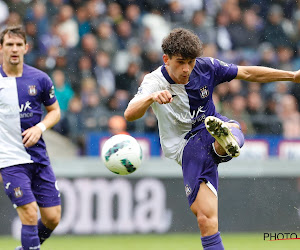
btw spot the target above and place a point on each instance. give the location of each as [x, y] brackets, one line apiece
[97, 53]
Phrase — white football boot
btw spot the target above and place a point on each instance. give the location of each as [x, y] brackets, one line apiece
[220, 131]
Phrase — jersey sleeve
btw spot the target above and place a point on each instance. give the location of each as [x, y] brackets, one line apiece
[223, 72]
[48, 94]
[148, 86]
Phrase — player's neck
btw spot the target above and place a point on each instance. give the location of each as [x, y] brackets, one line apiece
[13, 70]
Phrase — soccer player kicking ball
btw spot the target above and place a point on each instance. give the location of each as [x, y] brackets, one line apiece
[27, 175]
[191, 131]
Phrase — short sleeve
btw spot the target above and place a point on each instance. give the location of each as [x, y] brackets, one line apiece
[148, 86]
[48, 93]
[223, 71]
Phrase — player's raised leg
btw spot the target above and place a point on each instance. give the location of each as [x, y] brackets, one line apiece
[229, 137]
[205, 208]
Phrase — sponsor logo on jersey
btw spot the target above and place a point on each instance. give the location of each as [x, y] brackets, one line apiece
[32, 90]
[204, 92]
[191, 117]
[18, 192]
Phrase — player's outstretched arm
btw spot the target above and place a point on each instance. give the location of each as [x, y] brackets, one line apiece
[264, 74]
[33, 134]
[137, 109]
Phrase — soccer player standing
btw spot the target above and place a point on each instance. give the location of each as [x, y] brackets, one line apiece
[27, 175]
[191, 131]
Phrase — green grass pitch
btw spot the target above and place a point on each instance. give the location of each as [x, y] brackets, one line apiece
[155, 242]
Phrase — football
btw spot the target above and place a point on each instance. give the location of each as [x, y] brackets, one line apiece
[122, 154]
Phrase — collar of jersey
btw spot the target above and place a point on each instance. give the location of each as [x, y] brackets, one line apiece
[2, 71]
[166, 74]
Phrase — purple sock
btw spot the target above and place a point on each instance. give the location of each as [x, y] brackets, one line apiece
[239, 136]
[44, 232]
[212, 242]
[29, 237]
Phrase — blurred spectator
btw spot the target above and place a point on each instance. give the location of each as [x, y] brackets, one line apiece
[14, 18]
[267, 55]
[38, 15]
[124, 34]
[88, 86]
[117, 125]
[89, 48]
[175, 13]
[53, 7]
[96, 10]
[4, 13]
[114, 13]
[67, 26]
[151, 60]
[133, 15]
[63, 91]
[274, 32]
[223, 37]
[251, 28]
[290, 116]
[261, 124]
[159, 27]
[124, 57]
[106, 38]
[150, 122]
[237, 111]
[127, 83]
[95, 114]
[84, 25]
[83, 70]
[19, 6]
[191, 6]
[285, 55]
[104, 75]
[202, 27]
[74, 121]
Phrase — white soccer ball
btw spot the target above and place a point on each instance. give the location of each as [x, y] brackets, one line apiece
[122, 154]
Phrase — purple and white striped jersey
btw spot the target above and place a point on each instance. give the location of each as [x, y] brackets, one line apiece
[192, 102]
[21, 100]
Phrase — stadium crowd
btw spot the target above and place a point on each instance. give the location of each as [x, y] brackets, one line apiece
[97, 52]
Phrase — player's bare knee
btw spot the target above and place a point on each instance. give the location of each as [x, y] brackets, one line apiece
[51, 220]
[207, 224]
[28, 214]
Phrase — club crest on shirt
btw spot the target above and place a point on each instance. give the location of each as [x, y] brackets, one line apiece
[32, 90]
[204, 92]
[18, 192]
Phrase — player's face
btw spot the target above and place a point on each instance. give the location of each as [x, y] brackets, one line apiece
[179, 68]
[13, 49]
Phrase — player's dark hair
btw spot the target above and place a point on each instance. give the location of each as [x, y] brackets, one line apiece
[182, 42]
[15, 30]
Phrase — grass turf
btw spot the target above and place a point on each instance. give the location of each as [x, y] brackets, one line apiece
[155, 242]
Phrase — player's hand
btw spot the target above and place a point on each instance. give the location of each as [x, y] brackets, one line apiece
[31, 136]
[297, 76]
[162, 97]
